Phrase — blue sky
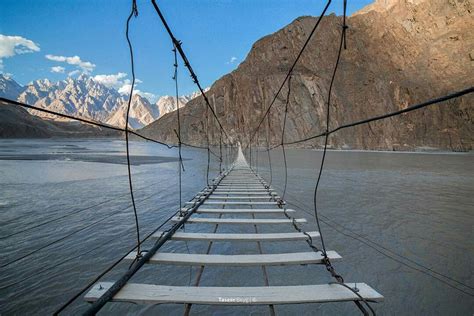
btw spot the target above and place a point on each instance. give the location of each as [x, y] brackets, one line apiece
[216, 36]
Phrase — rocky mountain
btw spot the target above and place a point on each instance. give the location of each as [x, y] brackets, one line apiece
[9, 88]
[167, 103]
[399, 53]
[142, 112]
[85, 97]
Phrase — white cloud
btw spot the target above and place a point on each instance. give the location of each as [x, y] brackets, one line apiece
[85, 66]
[73, 73]
[111, 81]
[232, 60]
[14, 45]
[125, 90]
[58, 69]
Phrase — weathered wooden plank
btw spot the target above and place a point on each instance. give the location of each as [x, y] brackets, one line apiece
[219, 190]
[207, 202]
[243, 210]
[275, 259]
[239, 237]
[246, 181]
[237, 203]
[250, 197]
[225, 183]
[202, 220]
[242, 193]
[259, 295]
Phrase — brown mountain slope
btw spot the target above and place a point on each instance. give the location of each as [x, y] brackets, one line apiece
[398, 55]
[16, 122]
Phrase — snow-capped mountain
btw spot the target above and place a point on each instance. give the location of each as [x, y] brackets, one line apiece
[167, 103]
[82, 97]
[85, 97]
[9, 88]
[142, 113]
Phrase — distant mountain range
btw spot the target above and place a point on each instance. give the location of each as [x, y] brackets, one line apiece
[87, 98]
[16, 122]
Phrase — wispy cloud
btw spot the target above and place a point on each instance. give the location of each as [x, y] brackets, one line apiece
[58, 69]
[74, 73]
[232, 60]
[85, 66]
[15, 45]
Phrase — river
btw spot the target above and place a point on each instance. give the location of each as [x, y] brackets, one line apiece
[389, 215]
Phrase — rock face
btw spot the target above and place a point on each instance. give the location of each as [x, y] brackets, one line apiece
[399, 53]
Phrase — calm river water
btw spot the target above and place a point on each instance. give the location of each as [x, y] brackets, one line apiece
[388, 215]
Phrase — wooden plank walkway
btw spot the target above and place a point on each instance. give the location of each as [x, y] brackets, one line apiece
[243, 188]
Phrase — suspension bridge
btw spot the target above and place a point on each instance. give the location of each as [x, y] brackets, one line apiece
[238, 197]
[243, 188]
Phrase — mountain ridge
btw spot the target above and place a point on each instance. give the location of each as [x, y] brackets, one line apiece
[396, 57]
[87, 98]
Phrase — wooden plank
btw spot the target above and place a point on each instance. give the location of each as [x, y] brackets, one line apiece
[244, 178]
[239, 237]
[242, 193]
[246, 181]
[240, 186]
[241, 183]
[276, 259]
[240, 203]
[207, 202]
[203, 220]
[227, 183]
[237, 203]
[250, 197]
[243, 210]
[219, 190]
[259, 295]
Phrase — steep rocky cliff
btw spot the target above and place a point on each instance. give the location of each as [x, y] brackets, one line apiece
[399, 53]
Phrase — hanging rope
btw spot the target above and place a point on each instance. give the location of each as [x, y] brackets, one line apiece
[268, 133]
[283, 136]
[180, 158]
[208, 146]
[133, 13]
